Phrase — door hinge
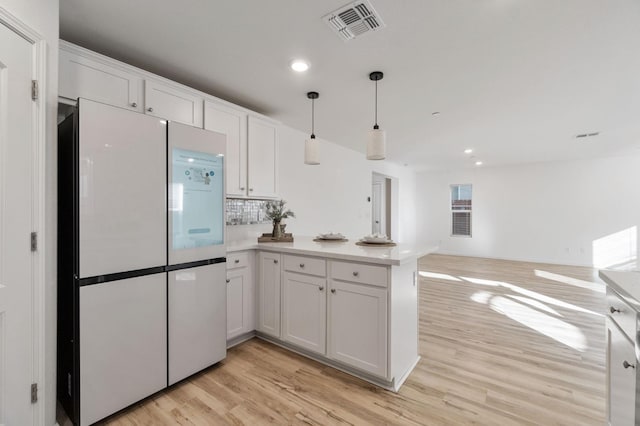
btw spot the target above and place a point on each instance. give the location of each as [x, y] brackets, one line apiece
[34, 393]
[34, 90]
[34, 241]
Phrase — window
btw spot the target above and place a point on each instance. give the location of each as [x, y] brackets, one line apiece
[461, 210]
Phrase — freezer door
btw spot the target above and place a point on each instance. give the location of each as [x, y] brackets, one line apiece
[123, 344]
[122, 190]
[197, 319]
[196, 194]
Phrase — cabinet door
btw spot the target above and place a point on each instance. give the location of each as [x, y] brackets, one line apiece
[304, 311]
[237, 289]
[81, 77]
[621, 380]
[196, 323]
[123, 344]
[263, 158]
[172, 104]
[233, 124]
[358, 326]
[269, 293]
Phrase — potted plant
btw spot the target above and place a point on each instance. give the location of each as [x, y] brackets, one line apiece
[276, 212]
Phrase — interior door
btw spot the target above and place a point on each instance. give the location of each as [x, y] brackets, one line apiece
[377, 206]
[16, 259]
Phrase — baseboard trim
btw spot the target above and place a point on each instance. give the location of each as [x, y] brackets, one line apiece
[513, 259]
[235, 341]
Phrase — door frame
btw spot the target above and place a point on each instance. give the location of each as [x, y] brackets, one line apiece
[38, 212]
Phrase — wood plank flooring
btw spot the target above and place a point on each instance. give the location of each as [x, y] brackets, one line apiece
[502, 343]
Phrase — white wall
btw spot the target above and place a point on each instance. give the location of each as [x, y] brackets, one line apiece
[42, 16]
[578, 212]
[332, 196]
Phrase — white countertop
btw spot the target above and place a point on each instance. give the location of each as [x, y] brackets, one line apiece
[625, 283]
[347, 250]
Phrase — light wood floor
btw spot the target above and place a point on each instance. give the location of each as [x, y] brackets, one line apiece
[501, 344]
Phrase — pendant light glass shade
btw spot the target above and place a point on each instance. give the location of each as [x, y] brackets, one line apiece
[311, 145]
[376, 138]
[311, 151]
[376, 144]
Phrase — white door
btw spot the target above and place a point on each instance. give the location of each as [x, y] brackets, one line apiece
[123, 344]
[377, 205]
[269, 293]
[357, 332]
[172, 104]
[123, 216]
[197, 319]
[621, 377]
[233, 124]
[16, 259]
[304, 311]
[262, 158]
[237, 285]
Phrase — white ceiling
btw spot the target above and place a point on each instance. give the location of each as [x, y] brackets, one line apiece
[516, 80]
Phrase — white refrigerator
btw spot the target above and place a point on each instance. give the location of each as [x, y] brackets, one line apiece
[141, 252]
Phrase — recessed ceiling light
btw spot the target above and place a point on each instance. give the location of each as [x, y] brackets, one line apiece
[435, 113]
[478, 163]
[299, 65]
[587, 135]
[468, 151]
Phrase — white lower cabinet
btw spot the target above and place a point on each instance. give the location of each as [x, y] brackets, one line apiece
[240, 295]
[621, 377]
[357, 326]
[269, 293]
[304, 311]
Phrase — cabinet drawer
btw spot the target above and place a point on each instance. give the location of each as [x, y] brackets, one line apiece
[237, 260]
[621, 313]
[359, 273]
[305, 265]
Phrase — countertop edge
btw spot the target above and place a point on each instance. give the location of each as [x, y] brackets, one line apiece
[614, 283]
[249, 245]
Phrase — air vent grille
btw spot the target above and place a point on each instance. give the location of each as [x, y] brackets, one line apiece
[354, 19]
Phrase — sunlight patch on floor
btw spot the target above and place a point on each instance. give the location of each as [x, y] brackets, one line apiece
[599, 287]
[547, 325]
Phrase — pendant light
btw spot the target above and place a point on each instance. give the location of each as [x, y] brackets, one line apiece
[376, 140]
[311, 146]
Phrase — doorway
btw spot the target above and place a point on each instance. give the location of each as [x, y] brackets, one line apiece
[381, 199]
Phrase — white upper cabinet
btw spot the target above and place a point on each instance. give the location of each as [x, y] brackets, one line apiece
[232, 123]
[167, 102]
[263, 158]
[84, 77]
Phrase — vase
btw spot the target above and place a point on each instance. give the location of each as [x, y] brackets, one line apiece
[277, 230]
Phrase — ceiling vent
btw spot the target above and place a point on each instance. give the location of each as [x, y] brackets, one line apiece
[354, 20]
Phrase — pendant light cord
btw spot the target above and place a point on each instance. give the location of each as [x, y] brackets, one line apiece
[376, 114]
[313, 114]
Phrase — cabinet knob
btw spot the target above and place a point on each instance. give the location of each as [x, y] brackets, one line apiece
[613, 310]
[236, 261]
[356, 273]
[228, 280]
[625, 364]
[150, 109]
[333, 290]
[242, 188]
[275, 260]
[133, 104]
[250, 189]
[320, 288]
[302, 265]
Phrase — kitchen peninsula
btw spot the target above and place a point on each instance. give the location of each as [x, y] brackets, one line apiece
[351, 307]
